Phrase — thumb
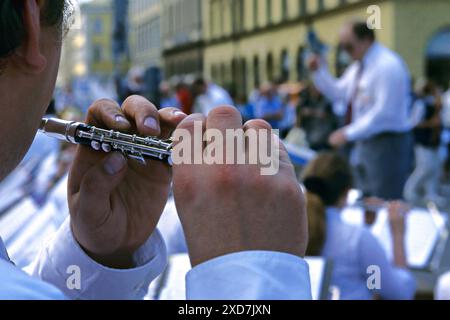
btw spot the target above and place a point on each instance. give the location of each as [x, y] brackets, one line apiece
[101, 180]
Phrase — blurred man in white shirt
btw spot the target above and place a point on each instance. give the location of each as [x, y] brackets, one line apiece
[209, 96]
[446, 108]
[376, 91]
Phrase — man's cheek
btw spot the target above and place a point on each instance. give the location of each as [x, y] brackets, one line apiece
[11, 154]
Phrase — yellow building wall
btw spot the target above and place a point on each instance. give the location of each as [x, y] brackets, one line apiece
[407, 27]
[103, 40]
[137, 19]
[290, 38]
[416, 22]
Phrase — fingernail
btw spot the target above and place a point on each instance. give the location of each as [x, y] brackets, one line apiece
[115, 163]
[121, 119]
[178, 113]
[151, 123]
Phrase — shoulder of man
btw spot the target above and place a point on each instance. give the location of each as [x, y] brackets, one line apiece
[17, 285]
[390, 59]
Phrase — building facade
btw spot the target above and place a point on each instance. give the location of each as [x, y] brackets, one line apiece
[86, 49]
[145, 33]
[98, 23]
[182, 37]
[73, 57]
[248, 42]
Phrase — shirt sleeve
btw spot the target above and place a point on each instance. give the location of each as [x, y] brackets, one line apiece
[334, 89]
[64, 264]
[396, 283]
[252, 275]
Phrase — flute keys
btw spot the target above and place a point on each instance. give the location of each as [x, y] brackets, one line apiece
[95, 145]
[106, 148]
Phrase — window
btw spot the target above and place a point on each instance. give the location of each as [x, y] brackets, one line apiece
[438, 57]
[243, 78]
[97, 54]
[255, 12]
[214, 73]
[211, 17]
[237, 8]
[302, 72]
[269, 67]
[269, 11]
[256, 72]
[321, 5]
[285, 66]
[221, 16]
[234, 77]
[223, 75]
[98, 26]
[284, 9]
[303, 8]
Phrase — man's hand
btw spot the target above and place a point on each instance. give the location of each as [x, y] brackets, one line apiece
[338, 139]
[232, 208]
[115, 203]
[314, 63]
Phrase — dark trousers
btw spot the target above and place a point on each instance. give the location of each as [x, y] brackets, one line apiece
[382, 164]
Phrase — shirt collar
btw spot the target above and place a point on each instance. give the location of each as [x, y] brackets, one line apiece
[3, 252]
[371, 52]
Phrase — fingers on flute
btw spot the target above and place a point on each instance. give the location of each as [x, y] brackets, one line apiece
[107, 113]
[169, 119]
[144, 114]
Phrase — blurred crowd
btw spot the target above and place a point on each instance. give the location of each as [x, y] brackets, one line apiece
[304, 117]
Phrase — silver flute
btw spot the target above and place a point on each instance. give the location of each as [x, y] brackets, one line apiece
[132, 146]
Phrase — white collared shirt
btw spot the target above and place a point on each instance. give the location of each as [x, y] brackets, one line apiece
[383, 96]
[241, 276]
[214, 97]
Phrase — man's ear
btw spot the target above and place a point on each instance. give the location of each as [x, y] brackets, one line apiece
[28, 56]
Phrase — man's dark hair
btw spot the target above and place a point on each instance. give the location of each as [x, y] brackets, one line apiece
[362, 31]
[200, 82]
[12, 29]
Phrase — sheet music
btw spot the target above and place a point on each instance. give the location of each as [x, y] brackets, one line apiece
[14, 220]
[423, 231]
[33, 235]
[317, 270]
[11, 188]
[8, 200]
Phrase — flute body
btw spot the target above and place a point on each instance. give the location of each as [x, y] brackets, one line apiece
[132, 146]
